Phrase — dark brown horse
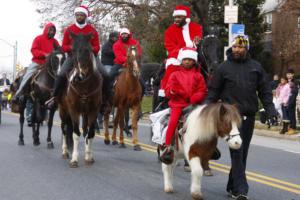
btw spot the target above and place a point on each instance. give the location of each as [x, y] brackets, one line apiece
[42, 85]
[39, 90]
[127, 94]
[81, 98]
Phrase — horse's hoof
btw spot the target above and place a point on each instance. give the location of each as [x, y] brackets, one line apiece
[36, 142]
[169, 190]
[107, 142]
[115, 143]
[89, 162]
[73, 164]
[137, 147]
[50, 145]
[122, 146]
[197, 196]
[208, 173]
[65, 156]
[21, 142]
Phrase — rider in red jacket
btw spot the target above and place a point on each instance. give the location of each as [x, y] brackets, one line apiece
[182, 33]
[120, 50]
[80, 26]
[185, 86]
[42, 46]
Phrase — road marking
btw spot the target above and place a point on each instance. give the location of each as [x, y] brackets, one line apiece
[259, 178]
[297, 152]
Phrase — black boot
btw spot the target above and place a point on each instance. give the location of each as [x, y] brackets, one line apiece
[216, 155]
[284, 128]
[59, 86]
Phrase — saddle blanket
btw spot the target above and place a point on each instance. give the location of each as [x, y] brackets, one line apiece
[159, 125]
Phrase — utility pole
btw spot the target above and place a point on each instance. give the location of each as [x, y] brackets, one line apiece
[15, 59]
[230, 18]
[230, 25]
[15, 48]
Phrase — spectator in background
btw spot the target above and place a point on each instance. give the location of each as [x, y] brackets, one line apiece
[292, 100]
[282, 93]
[275, 82]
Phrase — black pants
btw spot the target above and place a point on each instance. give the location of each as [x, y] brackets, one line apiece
[292, 116]
[237, 182]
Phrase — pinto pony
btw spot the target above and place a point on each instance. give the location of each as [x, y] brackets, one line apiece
[200, 135]
[82, 97]
[127, 94]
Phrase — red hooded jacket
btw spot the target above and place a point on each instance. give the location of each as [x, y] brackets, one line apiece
[42, 45]
[67, 40]
[119, 49]
[185, 86]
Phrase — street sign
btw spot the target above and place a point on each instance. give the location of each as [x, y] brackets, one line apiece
[231, 14]
[238, 29]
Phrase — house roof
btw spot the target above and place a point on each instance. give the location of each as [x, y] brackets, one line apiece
[270, 5]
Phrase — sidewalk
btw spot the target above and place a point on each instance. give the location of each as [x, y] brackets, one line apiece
[260, 129]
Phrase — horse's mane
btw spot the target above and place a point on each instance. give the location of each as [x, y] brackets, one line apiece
[212, 120]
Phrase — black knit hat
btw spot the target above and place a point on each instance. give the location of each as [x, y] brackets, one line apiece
[291, 71]
[113, 34]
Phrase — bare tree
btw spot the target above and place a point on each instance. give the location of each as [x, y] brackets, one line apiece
[286, 38]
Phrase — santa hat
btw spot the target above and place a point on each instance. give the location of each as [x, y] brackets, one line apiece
[181, 10]
[82, 9]
[187, 52]
[124, 30]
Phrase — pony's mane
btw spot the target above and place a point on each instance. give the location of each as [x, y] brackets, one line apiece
[205, 121]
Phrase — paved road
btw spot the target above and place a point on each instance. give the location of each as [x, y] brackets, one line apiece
[36, 173]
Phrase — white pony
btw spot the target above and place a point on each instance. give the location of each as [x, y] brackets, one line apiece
[200, 134]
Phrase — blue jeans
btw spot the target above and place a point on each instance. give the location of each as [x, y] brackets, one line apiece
[31, 69]
[285, 113]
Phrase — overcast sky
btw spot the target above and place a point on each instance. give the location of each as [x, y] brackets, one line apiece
[20, 23]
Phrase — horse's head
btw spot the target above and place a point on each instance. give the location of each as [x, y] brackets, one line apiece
[82, 54]
[210, 52]
[132, 60]
[224, 120]
[54, 61]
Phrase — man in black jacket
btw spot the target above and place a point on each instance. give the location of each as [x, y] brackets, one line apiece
[238, 81]
[107, 54]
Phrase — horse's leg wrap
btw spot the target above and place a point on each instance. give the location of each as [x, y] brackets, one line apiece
[75, 149]
[196, 174]
[168, 177]
[88, 151]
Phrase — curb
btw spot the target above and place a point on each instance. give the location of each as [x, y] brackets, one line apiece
[260, 130]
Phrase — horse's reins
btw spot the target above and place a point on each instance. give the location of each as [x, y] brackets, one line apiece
[39, 83]
[82, 97]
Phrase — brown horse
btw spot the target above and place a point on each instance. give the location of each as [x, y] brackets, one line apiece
[200, 134]
[81, 98]
[127, 94]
